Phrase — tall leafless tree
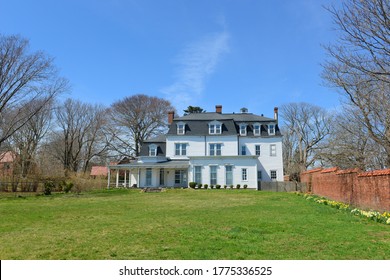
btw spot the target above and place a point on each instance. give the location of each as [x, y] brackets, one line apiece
[27, 139]
[79, 135]
[24, 76]
[135, 119]
[305, 127]
[359, 63]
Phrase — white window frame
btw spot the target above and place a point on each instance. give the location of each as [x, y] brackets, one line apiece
[243, 129]
[181, 128]
[256, 132]
[244, 174]
[271, 129]
[272, 150]
[213, 181]
[215, 128]
[213, 149]
[198, 172]
[152, 150]
[226, 174]
[182, 148]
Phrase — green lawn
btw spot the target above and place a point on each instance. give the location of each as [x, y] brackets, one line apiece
[184, 224]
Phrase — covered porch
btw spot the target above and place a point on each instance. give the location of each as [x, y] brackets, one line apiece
[149, 175]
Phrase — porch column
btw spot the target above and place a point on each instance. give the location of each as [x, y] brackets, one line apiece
[109, 178]
[125, 178]
[117, 178]
[138, 184]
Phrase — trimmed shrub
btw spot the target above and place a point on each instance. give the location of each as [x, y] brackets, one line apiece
[68, 186]
[238, 186]
[199, 186]
[48, 187]
[225, 187]
[206, 186]
[192, 185]
[231, 186]
[245, 186]
[211, 186]
[218, 187]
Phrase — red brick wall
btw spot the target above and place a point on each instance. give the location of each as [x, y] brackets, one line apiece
[365, 190]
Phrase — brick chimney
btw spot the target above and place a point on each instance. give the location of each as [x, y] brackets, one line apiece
[218, 109]
[171, 116]
[276, 114]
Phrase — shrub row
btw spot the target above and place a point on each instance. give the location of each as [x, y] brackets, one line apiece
[194, 185]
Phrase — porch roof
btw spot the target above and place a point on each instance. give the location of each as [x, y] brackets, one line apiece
[164, 164]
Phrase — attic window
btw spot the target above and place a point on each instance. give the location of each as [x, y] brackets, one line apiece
[215, 128]
[243, 129]
[181, 128]
[271, 129]
[256, 129]
[152, 150]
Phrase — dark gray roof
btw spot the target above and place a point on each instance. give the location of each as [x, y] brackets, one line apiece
[157, 139]
[198, 123]
[246, 117]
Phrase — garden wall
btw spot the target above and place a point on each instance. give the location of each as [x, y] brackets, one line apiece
[361, 189]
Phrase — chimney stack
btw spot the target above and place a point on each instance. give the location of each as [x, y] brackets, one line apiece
[276, 114]
[171, 116]
[218, 109]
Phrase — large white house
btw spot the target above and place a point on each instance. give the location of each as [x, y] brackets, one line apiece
[211, 148]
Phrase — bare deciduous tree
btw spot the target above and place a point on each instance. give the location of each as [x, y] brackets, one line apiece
[135, 119]
[77, 140]
[305, 127]
[27, 139]
[24, 76]
[359, 64]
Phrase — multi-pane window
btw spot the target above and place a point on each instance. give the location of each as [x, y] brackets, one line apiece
[148, 176]
[162, 181]
[213, 175]
[243, 150]
[257, 148]
[273, 175]
[215, 129]
[244, 174]
[272, 150]
[215, 149]
[180, 177]
[243, 129]
[198, 174]
[271, 129]
[229, 175]
[152, 151]
[181, 128]
[256, 129]
[180, 149]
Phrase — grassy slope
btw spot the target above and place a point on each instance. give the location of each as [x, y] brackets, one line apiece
[185, 224]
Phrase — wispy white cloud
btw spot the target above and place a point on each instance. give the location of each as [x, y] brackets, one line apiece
[194, 64]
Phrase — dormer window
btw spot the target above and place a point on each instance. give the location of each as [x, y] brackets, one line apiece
[215, 128]
[181, 128]
[153, 150]
[243, 129]
[271, 129]
[257, 129]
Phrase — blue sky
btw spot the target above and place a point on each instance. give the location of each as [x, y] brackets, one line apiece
[238, 53]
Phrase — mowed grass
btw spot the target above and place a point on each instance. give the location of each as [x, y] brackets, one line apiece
[185, 224]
